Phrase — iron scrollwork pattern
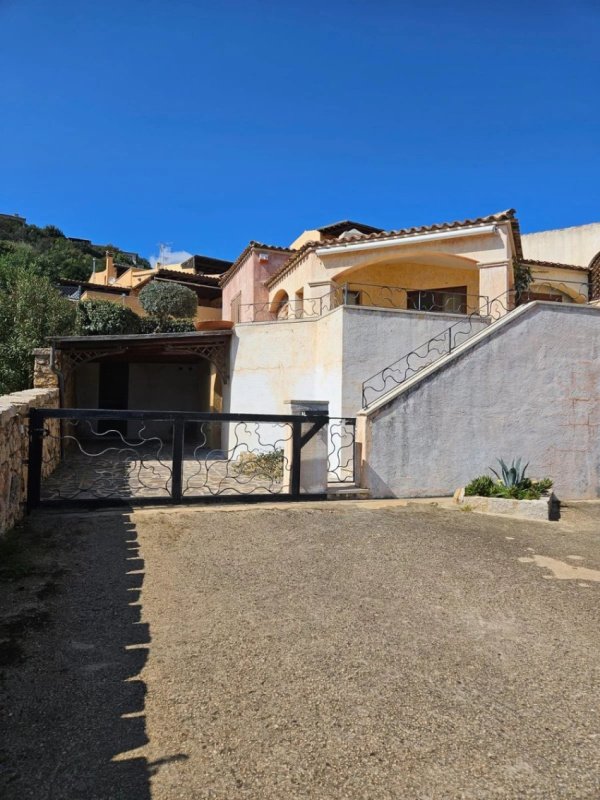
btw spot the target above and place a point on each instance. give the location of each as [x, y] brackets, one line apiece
[341, 450]
[99, 465]
[244, 458]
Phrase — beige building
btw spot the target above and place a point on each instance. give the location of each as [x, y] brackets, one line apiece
[455, 267]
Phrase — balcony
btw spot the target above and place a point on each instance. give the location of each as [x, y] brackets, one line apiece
[453, 300]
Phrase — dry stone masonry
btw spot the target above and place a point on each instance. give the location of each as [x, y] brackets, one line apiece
[14, 446]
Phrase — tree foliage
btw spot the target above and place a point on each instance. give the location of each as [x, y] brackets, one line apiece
[166, 301]
[31, 310]
[103, 318]
[56, 256]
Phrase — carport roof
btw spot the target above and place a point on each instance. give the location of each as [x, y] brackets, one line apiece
[88, 342]
[156, 347]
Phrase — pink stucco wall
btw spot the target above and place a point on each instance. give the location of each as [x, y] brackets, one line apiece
[249, 281]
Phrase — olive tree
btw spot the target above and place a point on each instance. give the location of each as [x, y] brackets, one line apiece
[165, 301]
[31, 310]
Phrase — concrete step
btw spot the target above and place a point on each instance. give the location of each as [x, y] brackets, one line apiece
[346, 491]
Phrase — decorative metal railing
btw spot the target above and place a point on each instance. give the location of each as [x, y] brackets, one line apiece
[393, 375]
[134, 457]
[341, 465]
[366, 295]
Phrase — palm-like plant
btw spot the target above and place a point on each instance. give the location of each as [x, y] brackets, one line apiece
[513, 475]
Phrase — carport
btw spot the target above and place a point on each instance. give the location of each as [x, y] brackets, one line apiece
[156, 372]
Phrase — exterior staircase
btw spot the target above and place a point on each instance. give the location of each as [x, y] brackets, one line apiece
[376, 388]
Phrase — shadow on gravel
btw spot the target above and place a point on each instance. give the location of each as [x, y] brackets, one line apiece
[74, 706]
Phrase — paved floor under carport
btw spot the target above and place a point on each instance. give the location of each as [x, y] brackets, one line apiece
[345, 650]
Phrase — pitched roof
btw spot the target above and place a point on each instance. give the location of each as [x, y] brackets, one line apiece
[335, 228]
[185, 277]
[226, 277]
[502, 216]
[95, 287]
[206, 265]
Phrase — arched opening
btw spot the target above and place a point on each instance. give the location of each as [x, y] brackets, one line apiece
[422, 282]
[280, 305]
[555, 291]
[299, 303]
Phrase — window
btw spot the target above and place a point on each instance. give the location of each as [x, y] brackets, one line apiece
[352, 298]
[527, 297]
[236, 308]
[452, 300]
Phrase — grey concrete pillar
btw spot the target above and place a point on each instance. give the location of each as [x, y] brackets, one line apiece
[313, 472]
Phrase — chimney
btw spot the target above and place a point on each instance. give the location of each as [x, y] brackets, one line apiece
[110, 273]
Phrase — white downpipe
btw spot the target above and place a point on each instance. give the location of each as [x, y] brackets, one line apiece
[406, 239]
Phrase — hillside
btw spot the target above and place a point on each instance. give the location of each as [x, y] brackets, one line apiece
[52, 253]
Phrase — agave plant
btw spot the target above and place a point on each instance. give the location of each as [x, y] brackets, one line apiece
[513, 475]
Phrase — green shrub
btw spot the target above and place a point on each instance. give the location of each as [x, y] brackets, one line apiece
[483, 486]
[166, 300]
[261, 465]
[103, 318]
[153, 325]
[512, 485]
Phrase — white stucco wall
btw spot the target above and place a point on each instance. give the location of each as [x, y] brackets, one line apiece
[532, 390]
[325, 358]
[576, 245]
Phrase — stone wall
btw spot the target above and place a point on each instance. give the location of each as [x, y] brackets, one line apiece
[14, 448]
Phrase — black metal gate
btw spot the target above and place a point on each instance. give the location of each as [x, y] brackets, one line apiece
[105, 457]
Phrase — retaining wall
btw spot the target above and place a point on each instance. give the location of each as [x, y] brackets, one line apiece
[14, 447]
[529, 389]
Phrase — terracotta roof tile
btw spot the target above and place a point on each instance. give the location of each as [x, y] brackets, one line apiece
[502, 216]
[185, 277]
[95, 287]
[534, 262]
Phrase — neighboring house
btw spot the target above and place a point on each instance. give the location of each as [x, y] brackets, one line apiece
[122, 283]
[579, 245]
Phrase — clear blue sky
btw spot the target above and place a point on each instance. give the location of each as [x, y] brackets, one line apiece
[206, 124]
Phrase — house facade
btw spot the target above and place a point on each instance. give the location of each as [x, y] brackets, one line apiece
[342, 302]
[379, 327]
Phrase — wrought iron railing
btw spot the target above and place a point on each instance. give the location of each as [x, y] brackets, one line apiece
[393, 375]
[365, 295]
[341, 457]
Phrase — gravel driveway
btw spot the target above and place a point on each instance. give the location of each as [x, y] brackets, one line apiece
[350, 650]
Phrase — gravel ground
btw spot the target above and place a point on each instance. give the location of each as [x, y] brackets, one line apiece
[351, 650]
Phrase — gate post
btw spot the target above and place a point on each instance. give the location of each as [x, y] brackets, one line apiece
[34, 461]
[310, 474]
[177, 471]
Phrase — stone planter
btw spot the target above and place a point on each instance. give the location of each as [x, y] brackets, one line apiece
[546, 508]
